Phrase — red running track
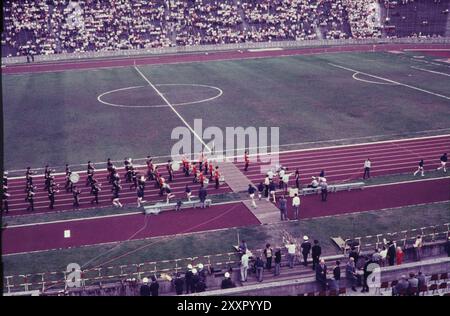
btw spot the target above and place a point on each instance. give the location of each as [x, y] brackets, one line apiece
[110, 229]
[119, 228]
[341, 163]
[196, 57]
[345, 163]
[64, 200]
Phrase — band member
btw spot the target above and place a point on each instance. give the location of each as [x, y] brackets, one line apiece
[188, 192]
[297, 179]
[140, 191]
[128, 170]
[134, 179]
[194, 172]
[95, 189]
[115, 200]
[68, 186]
[161, 182]
[30, 199]
[168, 191]
[201, 178]
[29, 175]
[90, 179]
[47, 171]
[51, 195]
[150, 169]
[185, 163]
[109, 168]
[211, 171]
[200, 161]
[420, 168]
[205, 163]
[90, 168]
[217, 176]
[247, 160]
[113, 175]
[76, 196]
[170, 170]
[443, 161]
[5, 196]
[157, 178]
[5, 178]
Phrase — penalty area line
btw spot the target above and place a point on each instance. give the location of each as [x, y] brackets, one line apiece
[172, 107]
[391, 81]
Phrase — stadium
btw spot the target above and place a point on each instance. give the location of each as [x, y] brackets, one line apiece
[226, 148]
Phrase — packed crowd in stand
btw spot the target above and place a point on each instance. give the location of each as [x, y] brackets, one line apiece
[63, 26]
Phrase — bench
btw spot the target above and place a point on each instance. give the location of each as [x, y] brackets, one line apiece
[334, 188]
[346, 186]
[160, 207]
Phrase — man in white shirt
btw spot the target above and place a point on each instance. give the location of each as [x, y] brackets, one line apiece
[291, 253]
[367, 166]
[296, 205]
[244, 267]
[286, 181]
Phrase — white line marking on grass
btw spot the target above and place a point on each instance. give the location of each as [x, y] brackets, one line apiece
[370, 81]
[99, 98]
[172, 107]
[432, 71]
[392, 81]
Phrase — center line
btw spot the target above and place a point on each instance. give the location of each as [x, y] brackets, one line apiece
[172, 107]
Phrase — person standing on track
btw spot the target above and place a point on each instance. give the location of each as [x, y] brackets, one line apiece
[150, 169]
[109, 168]
[194, 172]
[367, 166]
[68, 185]
[188, 192]
[272, 189]
[140, 191]
[95, 189]
[251, 193]
[420, 168]
[443, 162]
[297, 179]
[296, 205]
[324, 190]
[51, 195]
[5, 196]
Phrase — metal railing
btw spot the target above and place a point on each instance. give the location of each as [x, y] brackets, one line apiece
[222, 47]
[403, 238]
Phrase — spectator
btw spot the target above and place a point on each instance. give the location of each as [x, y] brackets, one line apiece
[350, 273]
[277, 261]
[354, 254]
[316, 251]
[421, 279]
[259, 264]
[251, 193]
[243, 247]
[244, 267]
[376, 257]
[202, 194]
[418, 248]
[179, 284]
[268, 254]
[399, 255]
[195, 280]
[401, 287]
[366, 273]
[291, 253]
[391, 253]
[226, 282]
[413, 288]
[447, 246]
[321, 274]
[188, 279]
[306, 248]
[154, 286]
[383, 255]
[145, 289]
[336, 275]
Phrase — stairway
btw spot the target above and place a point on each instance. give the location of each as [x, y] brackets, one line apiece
[266, 212]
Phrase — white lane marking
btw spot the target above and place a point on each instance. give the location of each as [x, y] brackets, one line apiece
[99, 98]
[392, 81]
[272, 153]
[404, 182]
[173, 109]
[432, 71]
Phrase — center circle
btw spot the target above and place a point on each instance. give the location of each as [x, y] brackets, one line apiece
[199, 87]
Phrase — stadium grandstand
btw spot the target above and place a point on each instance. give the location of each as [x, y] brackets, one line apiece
[117, 180]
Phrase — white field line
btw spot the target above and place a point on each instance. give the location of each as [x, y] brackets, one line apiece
[432, 71]
[271, 153]
[392, 81]
[355, 76]
[404, 182]
[173, 108]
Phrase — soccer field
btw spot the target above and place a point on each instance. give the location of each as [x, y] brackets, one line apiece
[79, 115]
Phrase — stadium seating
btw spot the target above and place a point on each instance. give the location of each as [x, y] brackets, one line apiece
[59, 26]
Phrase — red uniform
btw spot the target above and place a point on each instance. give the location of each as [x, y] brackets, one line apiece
[247, 161]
